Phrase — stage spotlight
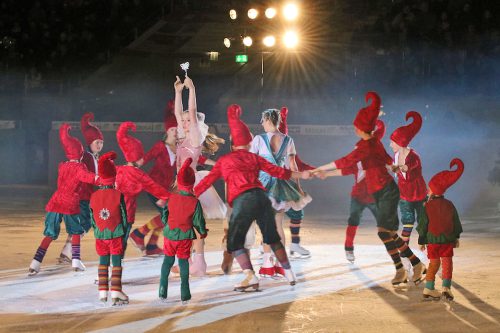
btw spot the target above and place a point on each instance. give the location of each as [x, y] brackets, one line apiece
[247, 41]
[290, 11]
[269, 41]
[290, 39]
[227, 42]
[253, 13]
[232, 14]
[270, 12]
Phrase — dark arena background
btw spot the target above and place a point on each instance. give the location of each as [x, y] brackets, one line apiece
[119, 59]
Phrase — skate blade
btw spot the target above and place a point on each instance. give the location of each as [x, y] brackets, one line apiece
[78, 270]
[428, 298]
[402, 284]
[185, 302]
[32, 272]
[119, 301]
[418, 281]
[254, 286]
[104, 300]
[293, 283]
[298, 256]
[447, 297]
[63, 260]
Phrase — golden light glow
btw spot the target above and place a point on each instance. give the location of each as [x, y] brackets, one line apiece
[290, 11]
[270, 12]
[227, 42]
[232, 14]
[247, 41]
[290, 39]
[253, 13]
[269, 41]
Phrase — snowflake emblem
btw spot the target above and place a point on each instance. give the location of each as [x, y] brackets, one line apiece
[104, 214]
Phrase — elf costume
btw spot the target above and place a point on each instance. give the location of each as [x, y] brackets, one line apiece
[109, 220]
[64, 203]
[181, 216]
[245, 193]
[439, 227]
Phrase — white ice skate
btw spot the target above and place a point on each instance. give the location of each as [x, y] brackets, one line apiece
[119, 297]
[349, 255]
[290, 276]
[78, 265]
[419, 272]
[103, 296]
[401, 278]
[34, 267]
[431, 294]
[298, 252]
[447, 294]
[250, 281]
[65, 256]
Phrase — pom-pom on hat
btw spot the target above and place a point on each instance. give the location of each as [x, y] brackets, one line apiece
[367, 117]
[107, 169]
[240, 133]
[185, 176]
[130, 146]
[283, 127]
[169, 119]
[71, 145]
[90, 132]
[379, 131]
[444, 179]
[404, 134]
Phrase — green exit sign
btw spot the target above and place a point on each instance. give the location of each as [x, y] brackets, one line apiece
[241, 58]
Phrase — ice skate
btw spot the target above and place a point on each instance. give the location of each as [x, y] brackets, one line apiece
[401, 277]
[227, 262]
[447, 294]
[431, 294]
[419, 271]
[65, 256]
[137, 240]
[199, 266]
[406, 264]
[103, 296]
[267, 268]
[349, 255]
[119, 297]
[78, 265]
[34, 267]
[250, 281]
[186, 302]
[290, 276]
[298, 252]
[278, 270]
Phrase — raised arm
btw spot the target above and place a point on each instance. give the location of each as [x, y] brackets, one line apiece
[194, 133]
[178, 108]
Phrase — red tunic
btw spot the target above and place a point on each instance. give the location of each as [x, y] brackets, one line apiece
[162, 172]
[181, 209]
[131, 181]
[240, 169]
[373, 157]
[66, 199]
[359, 190]
[106, 210]
[413, 187]
[86, 190]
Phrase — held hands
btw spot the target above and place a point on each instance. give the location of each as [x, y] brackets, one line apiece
[422, 247]
[161, 203]
[178, 85]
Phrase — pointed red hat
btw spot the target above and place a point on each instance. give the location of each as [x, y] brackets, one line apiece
[130, 146]
[283, 128]
[185, 176]
[367, 117]
[444, 179]
[379, 130]
[404, 134]
[107, 169]
[89, 131]
[71, 145]
[169, 119]
[240, 133]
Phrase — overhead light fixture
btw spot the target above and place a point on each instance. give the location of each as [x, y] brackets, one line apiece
[227, 42]
[232, 14]
[269, 41]
[253, 13]
[270, 12]
[290, 39]
[247, 41]
[290, 11]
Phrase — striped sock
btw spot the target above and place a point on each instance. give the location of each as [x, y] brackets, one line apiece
[116, 278]
[243, 259]
[280, 253]
[102, 271]
[350, 233]
[75, 246]
[153, 240]
[405, 250]
[42, 249]
[447, 271]
[391, 248]
[295, 230]
[406, 232]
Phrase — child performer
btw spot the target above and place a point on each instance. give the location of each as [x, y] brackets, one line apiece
[109, 220]
[374, 160]
[407, 165]
[439, 229]
[163, 173]
[130, 180]
[64, 203]
[94, 140]
[240, 169]
[181, 216]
